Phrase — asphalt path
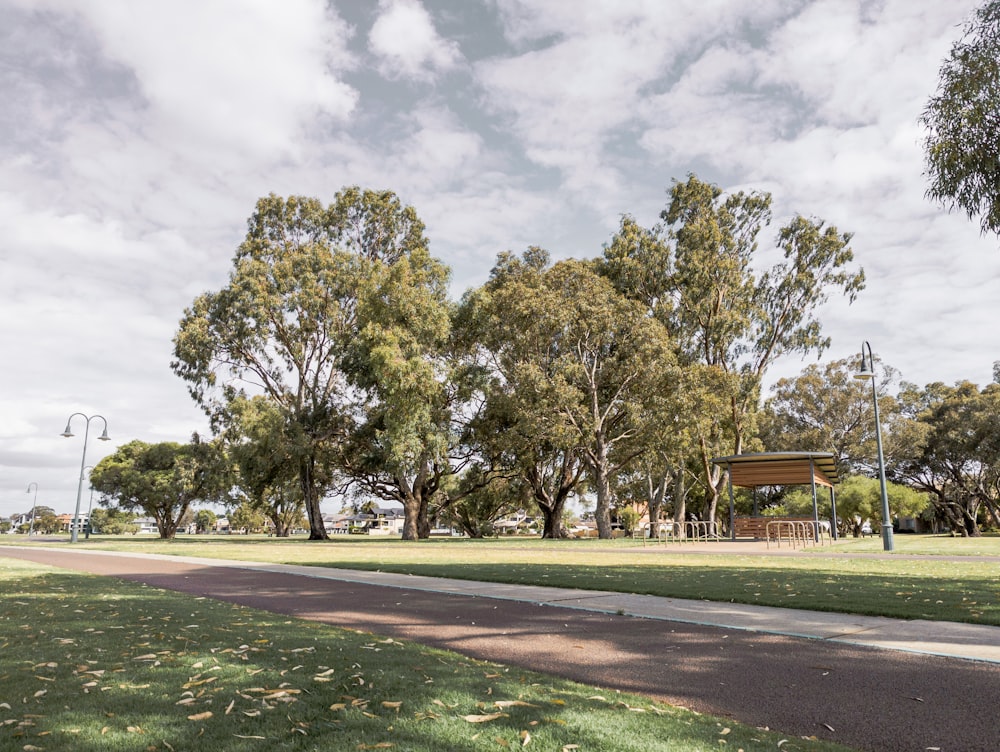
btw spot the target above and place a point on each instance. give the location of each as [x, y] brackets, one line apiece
[866, 698]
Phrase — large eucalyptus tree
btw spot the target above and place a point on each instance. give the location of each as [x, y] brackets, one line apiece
[295, 322]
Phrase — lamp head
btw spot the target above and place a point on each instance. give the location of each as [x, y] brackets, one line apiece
[104, 436]
[865, 373]
[867, 370]
[68, 433]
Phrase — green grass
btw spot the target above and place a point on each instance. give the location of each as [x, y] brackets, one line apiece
[960, 588]
[96, 664]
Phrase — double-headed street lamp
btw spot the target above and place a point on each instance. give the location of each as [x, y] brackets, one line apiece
[68, 433]
[34, 503]
[868, 372]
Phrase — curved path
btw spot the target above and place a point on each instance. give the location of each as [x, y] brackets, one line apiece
[863, 697]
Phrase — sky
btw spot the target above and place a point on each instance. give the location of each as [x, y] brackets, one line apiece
[136, 137]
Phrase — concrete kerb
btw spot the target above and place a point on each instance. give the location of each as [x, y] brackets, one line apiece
[948, 639]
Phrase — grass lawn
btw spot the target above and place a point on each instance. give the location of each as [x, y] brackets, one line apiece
[960, 588]
[96, 664]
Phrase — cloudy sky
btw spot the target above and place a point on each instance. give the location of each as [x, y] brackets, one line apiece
[136, 136]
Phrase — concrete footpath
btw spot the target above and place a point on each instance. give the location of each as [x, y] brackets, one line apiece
[869, 683]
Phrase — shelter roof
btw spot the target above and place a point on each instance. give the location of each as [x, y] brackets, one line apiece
[781, 469]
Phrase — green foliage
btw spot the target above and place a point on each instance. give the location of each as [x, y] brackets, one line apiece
[262, 444]
[728, 324]
[859, 499]
[46, 522]
[826, 409]
[477, 510]
[248, 518]
[162, 480]
[325, 305]
[950, 449]
[204, 520]
[112, 522]
[963, 137]
[628, 517]
[575, 368]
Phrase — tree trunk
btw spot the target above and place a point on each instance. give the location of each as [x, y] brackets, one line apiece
[552, 514]
[602, 512]
[680, 506]
[411, 515]
[317, 530]
[423, 517]
[657, 492]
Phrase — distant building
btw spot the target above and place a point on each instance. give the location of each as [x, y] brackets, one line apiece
[383, 521]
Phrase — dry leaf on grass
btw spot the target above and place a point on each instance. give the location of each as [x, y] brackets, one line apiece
[200, 716]
[483, 718]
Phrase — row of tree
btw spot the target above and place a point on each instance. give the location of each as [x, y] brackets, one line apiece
[333, 361]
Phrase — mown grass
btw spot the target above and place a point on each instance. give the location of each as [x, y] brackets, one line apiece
[95, 664]
[959, 589]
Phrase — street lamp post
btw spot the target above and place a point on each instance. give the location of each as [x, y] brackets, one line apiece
[866, 373]
[73, 536]
[34, 503]
[90, 504]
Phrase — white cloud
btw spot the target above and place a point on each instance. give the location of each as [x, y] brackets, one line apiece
[404, 39]
[230, 74]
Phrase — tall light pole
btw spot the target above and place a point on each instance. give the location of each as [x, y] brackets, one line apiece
[868, 372]
[34, 503]
[68, 433]
[90, 503]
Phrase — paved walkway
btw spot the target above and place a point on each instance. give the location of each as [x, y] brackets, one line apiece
[871, 683]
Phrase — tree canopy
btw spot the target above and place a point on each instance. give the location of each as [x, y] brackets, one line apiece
[163, 480]
[962, 118]
[287, 324]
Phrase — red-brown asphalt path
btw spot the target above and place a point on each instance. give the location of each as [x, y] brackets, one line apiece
[869, 699]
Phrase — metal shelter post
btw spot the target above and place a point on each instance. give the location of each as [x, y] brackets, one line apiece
[833, 507]
[732, 504]
[812, 482]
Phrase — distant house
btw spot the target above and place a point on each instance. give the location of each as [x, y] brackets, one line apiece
[66, 523]
[379, 521]
[337, 524]
[147, 526]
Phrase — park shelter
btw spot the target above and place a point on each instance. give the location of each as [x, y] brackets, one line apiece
[782, 469]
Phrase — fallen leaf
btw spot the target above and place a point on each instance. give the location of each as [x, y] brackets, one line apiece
[483, 718]
[514, 704]
[200, 716]
[391, 705]
[828, 727]
[525, 738]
